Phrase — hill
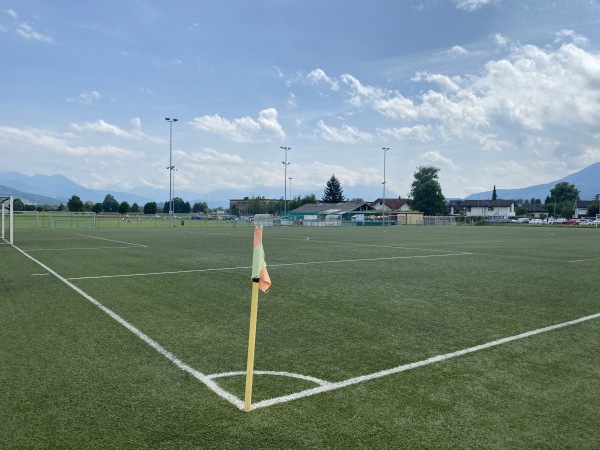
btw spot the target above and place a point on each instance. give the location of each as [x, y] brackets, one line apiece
[586, 180]
[61, 189]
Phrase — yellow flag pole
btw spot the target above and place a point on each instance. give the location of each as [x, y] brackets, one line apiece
[251, 341]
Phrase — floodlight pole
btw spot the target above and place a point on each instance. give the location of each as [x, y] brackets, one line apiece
[290, 178]
[285, 164]
[385, 150]
[171, 167]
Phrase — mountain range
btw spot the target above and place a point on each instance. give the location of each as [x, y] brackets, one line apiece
[587, 180]
[56, 189]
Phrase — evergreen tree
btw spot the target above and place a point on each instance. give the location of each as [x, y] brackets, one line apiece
[494, 195]
[333, 191]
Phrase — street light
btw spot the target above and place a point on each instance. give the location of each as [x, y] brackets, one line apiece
[385, 150]
[285, 164]
[290, 178]
[171, 167]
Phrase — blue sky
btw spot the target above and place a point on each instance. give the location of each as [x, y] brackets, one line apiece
[493, 92]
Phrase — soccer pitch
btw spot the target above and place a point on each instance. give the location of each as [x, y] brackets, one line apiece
[370, 337]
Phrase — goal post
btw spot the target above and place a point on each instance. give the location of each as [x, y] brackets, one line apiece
[7, 210]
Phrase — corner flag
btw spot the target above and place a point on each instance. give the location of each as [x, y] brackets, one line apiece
[259, 267]
[260, 280]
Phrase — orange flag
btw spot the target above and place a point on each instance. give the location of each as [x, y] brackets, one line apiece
[259, 267]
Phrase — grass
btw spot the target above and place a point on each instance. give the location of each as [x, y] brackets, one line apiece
[344, 303]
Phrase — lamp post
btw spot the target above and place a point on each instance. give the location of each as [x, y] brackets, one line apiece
[171, 167]
[385, 150]
[285, 164]
[290, 178]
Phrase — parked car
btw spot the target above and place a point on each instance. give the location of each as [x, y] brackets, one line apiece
[522, 220]
[536, 221]
[572, 222]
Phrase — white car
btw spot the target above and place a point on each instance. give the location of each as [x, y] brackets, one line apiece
[536, 221]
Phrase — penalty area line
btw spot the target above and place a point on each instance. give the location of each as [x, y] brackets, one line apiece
[112, 240]
[146, 274]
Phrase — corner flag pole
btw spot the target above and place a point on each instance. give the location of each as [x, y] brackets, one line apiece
[251, 342]
[260, 280]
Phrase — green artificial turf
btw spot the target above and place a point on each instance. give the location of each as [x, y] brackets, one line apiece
[345, 302]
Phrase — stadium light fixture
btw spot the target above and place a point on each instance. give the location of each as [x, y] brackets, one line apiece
[385, 150]
[285, 164]
[171, 167]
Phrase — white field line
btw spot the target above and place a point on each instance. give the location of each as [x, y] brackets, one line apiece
[585, 260]
[268, 265]
[271, 372]
[75, 248]
[350, 381]
[112, 240]
[207, 381]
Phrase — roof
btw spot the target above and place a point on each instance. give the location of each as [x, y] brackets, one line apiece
[393, 203]
[332, 208]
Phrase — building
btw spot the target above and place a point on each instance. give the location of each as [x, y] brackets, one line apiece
[484, 208]
[391, 204]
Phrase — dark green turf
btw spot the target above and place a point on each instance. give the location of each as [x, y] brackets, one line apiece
[344, 303]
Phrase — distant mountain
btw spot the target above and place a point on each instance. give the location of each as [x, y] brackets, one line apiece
[31, 199]
[61, 188]
[586, 180]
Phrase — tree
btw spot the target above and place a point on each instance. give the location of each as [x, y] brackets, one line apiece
[110, 204]
[426, 192]
[150, 208]
[135, 208]
[89, 205]
[200, 207]
[18, 205]
[123, 208]
[562, 192]
[562, 199]
[333, 191]
[593, 209]
[75, 204]
[97, 208]
[494, 195]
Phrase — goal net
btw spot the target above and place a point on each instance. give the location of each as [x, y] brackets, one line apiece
[265, 220]
[8, 223]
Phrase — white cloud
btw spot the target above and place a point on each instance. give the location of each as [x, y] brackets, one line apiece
[136, 122]
[100, 126]
[11, 13]
[85, 97]
[346, 134]
[318, 75]
[571, 36]
[26, 31]
[244, 129]
[471, 5]
[419, 132]
[437, 157]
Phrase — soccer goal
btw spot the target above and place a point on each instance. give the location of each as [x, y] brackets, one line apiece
[8, 223]
[265, 220]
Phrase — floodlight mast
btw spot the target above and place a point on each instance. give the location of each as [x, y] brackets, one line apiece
[385, 150]
[285, 164]
[170, 168]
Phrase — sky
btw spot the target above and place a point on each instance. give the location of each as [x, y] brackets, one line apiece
[492, 92]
